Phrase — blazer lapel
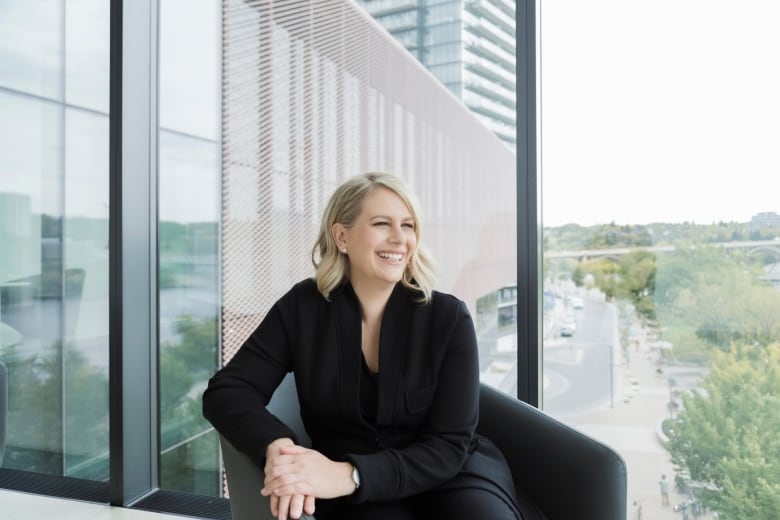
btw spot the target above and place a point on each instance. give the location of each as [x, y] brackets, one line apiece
[348, 330]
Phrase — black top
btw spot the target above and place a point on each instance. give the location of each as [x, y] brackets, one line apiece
[422, 434]
[369, 389]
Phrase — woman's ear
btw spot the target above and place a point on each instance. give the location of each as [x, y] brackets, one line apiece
[339, 233]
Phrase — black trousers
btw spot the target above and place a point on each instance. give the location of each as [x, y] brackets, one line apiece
[448, 504]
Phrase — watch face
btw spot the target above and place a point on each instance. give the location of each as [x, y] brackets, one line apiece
[355, 477]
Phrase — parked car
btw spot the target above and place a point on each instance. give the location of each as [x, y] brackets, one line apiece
[571, 322]
[567, 330]
[578, 303]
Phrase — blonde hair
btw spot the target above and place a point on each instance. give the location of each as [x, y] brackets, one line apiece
[344, 207]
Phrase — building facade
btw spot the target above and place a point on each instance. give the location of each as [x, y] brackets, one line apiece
[765, 220]
[469, 45]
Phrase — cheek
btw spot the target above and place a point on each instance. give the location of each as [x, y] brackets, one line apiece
[412, 244]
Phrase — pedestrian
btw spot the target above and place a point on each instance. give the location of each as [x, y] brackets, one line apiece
[366, 329]
[664, 485]
[638, 510]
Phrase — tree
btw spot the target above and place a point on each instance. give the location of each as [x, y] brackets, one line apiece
[726, 435]
[637, 281]
[718, 297]
[185, 364]
[57, 412]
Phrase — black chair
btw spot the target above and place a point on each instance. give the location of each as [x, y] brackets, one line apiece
[566, 473]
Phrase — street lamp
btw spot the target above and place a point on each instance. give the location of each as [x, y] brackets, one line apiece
[611, 349]
[612, 376]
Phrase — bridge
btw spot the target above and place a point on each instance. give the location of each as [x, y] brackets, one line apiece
[754, 246]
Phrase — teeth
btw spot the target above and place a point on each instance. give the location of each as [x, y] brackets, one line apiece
[392, 256]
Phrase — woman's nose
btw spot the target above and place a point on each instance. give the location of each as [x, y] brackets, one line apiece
[397, 235]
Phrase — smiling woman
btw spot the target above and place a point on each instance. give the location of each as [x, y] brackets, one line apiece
[387, 375]
[390, 204]
[380, 242]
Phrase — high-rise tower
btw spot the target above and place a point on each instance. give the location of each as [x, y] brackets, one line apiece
[468, 44]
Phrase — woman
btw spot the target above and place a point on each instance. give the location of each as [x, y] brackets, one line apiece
[387, 377]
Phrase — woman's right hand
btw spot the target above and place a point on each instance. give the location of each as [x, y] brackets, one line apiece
[291, 506]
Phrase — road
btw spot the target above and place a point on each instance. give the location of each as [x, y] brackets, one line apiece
[579, 371]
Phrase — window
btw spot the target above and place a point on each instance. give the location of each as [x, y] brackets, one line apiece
[324, 116]
[54, 236]
[661, 249]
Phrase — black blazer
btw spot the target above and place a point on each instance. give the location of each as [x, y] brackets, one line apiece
[428, 390]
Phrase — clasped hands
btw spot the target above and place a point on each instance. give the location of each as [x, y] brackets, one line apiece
[295, 476]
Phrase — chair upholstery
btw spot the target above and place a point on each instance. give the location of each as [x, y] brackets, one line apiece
[567, 474]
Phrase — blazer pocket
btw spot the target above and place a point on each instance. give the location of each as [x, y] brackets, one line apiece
[420, 399]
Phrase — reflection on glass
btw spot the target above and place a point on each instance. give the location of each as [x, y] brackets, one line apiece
[188, 233]
[85, 259]
[87, 35]
[496, 325]
[189, 67]
[189, 310]
[661, 282]
[31, 53]
[53, 261]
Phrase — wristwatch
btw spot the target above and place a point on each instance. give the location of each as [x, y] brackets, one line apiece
[355, 476]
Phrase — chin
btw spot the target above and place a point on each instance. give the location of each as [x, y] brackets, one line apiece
[392, 279]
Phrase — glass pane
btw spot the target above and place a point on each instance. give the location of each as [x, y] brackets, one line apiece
[31, 276]
[87, 46]
[189, 67]
[189, 310]
[189, 212]
[662, 245]
[31, 52]
[85, 253]
[54, 287]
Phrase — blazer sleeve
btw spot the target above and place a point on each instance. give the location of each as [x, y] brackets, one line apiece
[441, 448]
[237, 395]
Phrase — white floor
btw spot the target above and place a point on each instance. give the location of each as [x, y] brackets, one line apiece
[26, 506]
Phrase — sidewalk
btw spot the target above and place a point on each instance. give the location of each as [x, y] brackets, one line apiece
[631, 428]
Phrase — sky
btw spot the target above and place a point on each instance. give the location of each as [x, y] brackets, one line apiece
[659, 110]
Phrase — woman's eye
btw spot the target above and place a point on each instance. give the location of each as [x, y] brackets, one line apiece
[409, 225]
[381, 223]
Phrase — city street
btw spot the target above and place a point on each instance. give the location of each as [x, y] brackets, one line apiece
[632, 428]
[579, 369]
[622, 407]
[590, 385]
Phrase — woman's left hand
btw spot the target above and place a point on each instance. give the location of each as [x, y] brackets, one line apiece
[301, 471]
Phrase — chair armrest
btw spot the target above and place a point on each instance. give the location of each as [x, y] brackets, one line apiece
[245, 480]
[566, 473]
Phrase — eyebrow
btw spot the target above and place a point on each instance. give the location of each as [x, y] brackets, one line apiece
[405, 219]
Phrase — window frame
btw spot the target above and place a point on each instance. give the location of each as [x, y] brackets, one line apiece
[529, 220]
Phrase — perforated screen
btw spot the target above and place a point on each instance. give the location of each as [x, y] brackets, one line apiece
[315, 92]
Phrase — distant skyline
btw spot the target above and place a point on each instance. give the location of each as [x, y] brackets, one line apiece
[661, 111]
